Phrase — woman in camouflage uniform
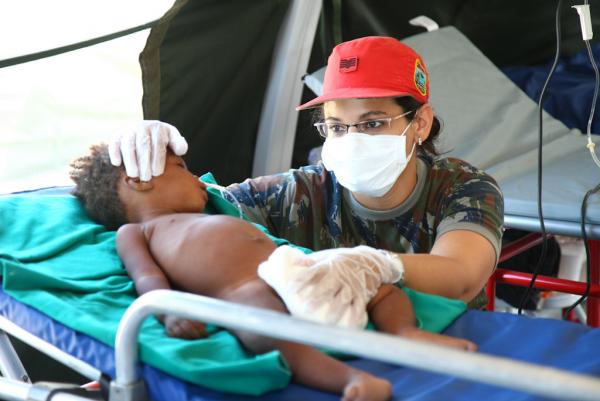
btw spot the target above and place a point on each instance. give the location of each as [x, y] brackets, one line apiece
[381, 183]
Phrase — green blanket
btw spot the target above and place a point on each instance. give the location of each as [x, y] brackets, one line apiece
[56, 260]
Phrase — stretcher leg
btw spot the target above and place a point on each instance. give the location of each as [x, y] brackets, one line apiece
[10, 363]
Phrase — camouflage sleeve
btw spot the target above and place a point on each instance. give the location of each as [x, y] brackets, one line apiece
[281, 202]
[262, 198]
[474, 202]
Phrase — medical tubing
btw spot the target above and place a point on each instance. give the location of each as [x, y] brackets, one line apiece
[522, 376]
[590, 144]
[595, 97]
[542, 257]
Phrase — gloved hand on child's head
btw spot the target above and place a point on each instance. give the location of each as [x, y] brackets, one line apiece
[143, 149]
[332, 286]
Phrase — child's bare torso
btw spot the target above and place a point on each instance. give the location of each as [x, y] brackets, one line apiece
[210, 255]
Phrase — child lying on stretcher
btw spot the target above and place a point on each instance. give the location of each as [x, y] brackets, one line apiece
[165, 241]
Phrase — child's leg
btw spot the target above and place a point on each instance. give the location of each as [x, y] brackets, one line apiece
[391, 311]
[309, 366]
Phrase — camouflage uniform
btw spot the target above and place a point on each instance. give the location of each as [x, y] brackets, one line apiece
[310, 208]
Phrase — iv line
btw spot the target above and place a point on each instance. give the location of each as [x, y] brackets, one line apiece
[587, 34]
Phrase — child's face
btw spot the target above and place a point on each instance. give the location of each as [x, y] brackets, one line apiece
[177, 190]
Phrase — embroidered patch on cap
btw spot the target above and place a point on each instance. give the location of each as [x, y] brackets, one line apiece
[420, 78]
[348, 64]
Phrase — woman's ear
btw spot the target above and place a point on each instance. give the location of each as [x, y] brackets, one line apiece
[423, 121]
[137, 185]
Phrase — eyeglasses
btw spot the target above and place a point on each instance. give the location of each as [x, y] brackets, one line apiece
[378, 126]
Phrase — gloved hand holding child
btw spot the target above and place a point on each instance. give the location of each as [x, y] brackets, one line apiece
[332, 286]
[143, 148]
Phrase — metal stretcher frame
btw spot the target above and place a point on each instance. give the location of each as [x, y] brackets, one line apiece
[537, 379]
[127, 385]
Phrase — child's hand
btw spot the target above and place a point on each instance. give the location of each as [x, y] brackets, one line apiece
[184, 328]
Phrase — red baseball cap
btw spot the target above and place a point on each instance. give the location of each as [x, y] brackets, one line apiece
[373, 67]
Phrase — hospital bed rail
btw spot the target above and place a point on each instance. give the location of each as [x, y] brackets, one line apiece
[528, 377]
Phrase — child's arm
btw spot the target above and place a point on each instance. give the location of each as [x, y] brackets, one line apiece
[138, 261]
[147, 275]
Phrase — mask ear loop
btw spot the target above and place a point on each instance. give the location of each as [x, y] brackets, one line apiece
[412, 151]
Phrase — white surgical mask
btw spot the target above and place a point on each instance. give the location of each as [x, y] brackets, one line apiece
[367, 164]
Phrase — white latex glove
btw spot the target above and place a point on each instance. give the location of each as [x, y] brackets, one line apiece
[332, 286]
[143, 149]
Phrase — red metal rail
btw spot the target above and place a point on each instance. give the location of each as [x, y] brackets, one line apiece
[593, 303]
[521, 245]
[549, 283]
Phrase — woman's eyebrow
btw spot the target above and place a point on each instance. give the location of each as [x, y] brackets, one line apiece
[373, 113]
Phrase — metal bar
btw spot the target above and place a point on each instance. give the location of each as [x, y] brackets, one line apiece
[10, 363]
[593, 304]
[521, 245]
[277, 127]
[57, 354]
[556, 227]
[537, 379]
[545, 282]
[11, 390]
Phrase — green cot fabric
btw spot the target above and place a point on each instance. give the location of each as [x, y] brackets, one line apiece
[56, 260]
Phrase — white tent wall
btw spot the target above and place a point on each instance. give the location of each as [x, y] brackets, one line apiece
[52, 109]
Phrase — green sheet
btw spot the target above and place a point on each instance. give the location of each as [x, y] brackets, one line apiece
[55, 259]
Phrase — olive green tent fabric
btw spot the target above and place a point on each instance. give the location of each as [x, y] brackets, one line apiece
[205, 69]
[206, 64]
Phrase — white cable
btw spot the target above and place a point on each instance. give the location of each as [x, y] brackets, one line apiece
[591, 146]
[587, 34]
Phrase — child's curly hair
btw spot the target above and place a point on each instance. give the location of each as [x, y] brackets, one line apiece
[97, 182]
